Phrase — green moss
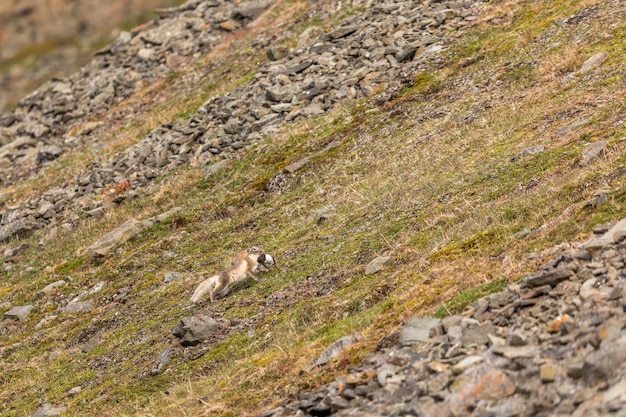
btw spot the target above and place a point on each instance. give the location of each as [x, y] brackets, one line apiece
[483, 241]
[458, 303]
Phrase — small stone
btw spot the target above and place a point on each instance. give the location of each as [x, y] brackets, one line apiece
[49, 288]
[593, 151]
[194, 330]
[106, 243]
[91, 343]
[593, 62]
[19, 312]
[145, 53]
[358, 378]
[467, 363]
[47, 410]
[616, 393]
[515, 339]
[74, 391]
[438, 367]
[171, 276]
[514, 352]
[377, 264]
[419, 329]
[276, 52]
[78, 307]
[555, 325]
[587, 290]
[619, 236]
[575, 370]
[582, 254]
[549, 372]
[599, 365]
[333, 351]
[161, 361]
[229, 25]
[545, 278]
[607, 237]
[478, 334]
[494, 385]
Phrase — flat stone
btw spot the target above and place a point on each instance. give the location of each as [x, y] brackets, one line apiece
[616, 393]
[48, 410]
[477, 334]
[18, 228]
[377, 264]
[343, 31]
[607, 237]
[194, 330]
[516, 339]
[19, 312]
[514, 352]
[582, 254]
[49, 288]
[108, 242]
[333, 351]
[599, 365]
[549, 372]
[171, 276]
[587, 290]
[467, 363]
[593, 151]
[419, 330]
[545, 278]
[78, 307]
[593, 62]
[160, 362]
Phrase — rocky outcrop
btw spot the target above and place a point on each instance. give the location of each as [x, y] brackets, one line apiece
[553, 343]
[323, 69]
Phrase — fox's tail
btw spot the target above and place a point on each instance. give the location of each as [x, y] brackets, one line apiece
[204, 287]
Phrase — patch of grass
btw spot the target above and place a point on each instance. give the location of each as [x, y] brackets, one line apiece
[457, 304]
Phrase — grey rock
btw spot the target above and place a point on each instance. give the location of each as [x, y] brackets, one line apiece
[477, 334]
[171, 276]
[18, 312]
[18, 228]
[49, 288]
[516, 339]
[377, 264]
[593, 151]
[582, 253]
[593, 62]
[194, 330]
[600, 365]
[545, 278]
[108, 242]
[606, 238]
[91, 343]
[11, 252]
[48, 410]
[466, 363]
[78, 307]
[514, 352]
[161, 362]
[419, 330]
[333, 351]
[276, 52]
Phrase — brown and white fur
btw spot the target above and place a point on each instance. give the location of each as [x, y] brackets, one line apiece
[245, 265]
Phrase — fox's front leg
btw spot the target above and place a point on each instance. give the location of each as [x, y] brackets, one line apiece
[253, 276]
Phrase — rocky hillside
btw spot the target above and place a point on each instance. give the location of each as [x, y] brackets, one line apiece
[43, 40]
[400, 160]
